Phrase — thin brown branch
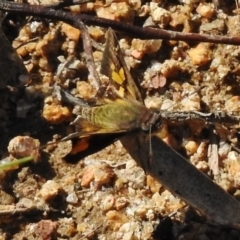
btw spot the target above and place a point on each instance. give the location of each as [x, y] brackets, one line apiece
[15, 211]
[135, 31]
[90, 233]
[67, 3]
[31, 210]
[87, 45]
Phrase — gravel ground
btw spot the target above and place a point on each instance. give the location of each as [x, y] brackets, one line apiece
[106, 195]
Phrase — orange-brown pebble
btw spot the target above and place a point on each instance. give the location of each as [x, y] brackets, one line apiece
[54, 113]
[84, 7]
[201, 54]
[85, 90]
[206, 10]
[82, 226]
[141, 211]
[28, 48]
[116, 219]
[95, 32]
[233, 163]
[233, 104]
[71, 32]
[120, 203]
[191, 147]
[100, 174]
[46, 229]
[49, 190]
[97, 55]
[137, 54]
[24, 146]
[108, 202]
[178, 19]
[171, 68]
[43, 64]
[119, 11]
[40, 46]
[153, 184]
[88, 175]
[160, 15]
[146, 46]
[22, 51]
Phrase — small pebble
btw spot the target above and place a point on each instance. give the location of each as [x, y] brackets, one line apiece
[206, 10]
[146, 46]
[55, 113]
[71, 32]
[153, 184]
[108, 202]
[120, 203]
[72, 198]
[24, 146]
[159, 15]
[201, 54]
[191, 147]
[99, 174]
[49, 190]
[46, 230]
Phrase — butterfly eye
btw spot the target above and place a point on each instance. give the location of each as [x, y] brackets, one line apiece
[145, 127]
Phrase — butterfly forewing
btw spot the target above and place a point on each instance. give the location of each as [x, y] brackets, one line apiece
[114, 66]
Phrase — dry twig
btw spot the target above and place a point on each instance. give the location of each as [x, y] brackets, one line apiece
[134, 31]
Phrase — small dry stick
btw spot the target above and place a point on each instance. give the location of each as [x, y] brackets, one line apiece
[14, 211]
[67, 3]
[90, 233]
[89, 55]
[30, 210]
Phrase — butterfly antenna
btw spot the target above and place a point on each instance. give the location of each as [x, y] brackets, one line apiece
[186, 96]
